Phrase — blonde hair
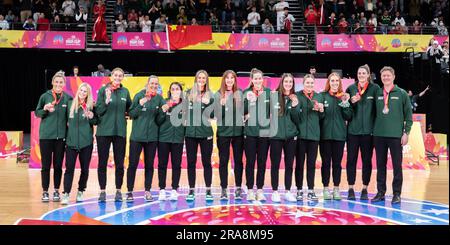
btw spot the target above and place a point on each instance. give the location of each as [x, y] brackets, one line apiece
[117, 69]
[388, 68]
[308, 76]
[195, 89]
[59, 74]
[75, 101]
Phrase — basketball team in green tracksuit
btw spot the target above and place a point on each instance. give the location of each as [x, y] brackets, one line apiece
[253, 124]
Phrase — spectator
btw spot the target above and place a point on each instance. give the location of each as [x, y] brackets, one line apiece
[121, 23]
[253, 19]
[155, 11]
[312, 70]
[397, 29]
[358, 29]
[132, 17]
[25, 10]
[213, 21]
[288, 21]
[244, 27]
[373, 18]
[398, 19]
[311, 15]
[354, 9]
[85, 4]
[392, 8]
[435, 54]
[442, 30]
[101, 71]
[228, 12]
[279, 8]
[362, 19]
[171, 11]
[194, 22]
[37, 8]
[416, 28]
[29, 24]
[385, 22]
[146, 24]
[341, 6]
[75, 71]
[119, 8]
[43, 24]
[352, 20]
[232, 27]
[54, 12]
[369, 7]
[10, 17]
[183, 17]
[342, 25]
[180, 21]
[132, 27]
[81, 16]
[331, 23]
[445, 56]
[267, 27]
[4, 25]
[370, 27]
[145, 5]
[160, 24]
[68, 8]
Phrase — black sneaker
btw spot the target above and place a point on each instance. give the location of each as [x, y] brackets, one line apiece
[312, 196]
[130, 197]
[118, 197]
[396, 199]
[379, 197]
[238, 194]
[351, 194]
[299, 195]
[45, 197]
[224, 194]
[364, 195]
[102, 197]
[209, 196]
[56, 196]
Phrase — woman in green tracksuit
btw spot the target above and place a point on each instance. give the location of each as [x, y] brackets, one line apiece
[171, 139]
[333, 133]
[285, 118]
[257, 132]
[229, 113]
[52, 109]
[311, 110]
[81, 119]
[113, 102]
[360, 129]
[200, 110]
[147, 105]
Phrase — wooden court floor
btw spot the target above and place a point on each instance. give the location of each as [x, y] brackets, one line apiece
[20, 188]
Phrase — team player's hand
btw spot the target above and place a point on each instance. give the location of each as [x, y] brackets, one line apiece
[251, 97]
[143, 101]
[165, 107]
[49, 107]
[355, 98]
[345, 97]
[294, 100]
[320, 107]
[89, 114]
[246, 117]
[205, 99]
[223, 101]
[404, 139]
[108, 95]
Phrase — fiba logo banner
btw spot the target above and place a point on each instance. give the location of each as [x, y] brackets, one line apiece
[58, 40]
[122, 41]
[396, 43]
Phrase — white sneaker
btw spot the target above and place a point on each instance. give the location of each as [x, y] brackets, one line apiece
[260, 195]
[65, 199]
[173, 195]
[251, 195]
[276, 197]
[290, 197]
[162, 195]
[79, 196]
